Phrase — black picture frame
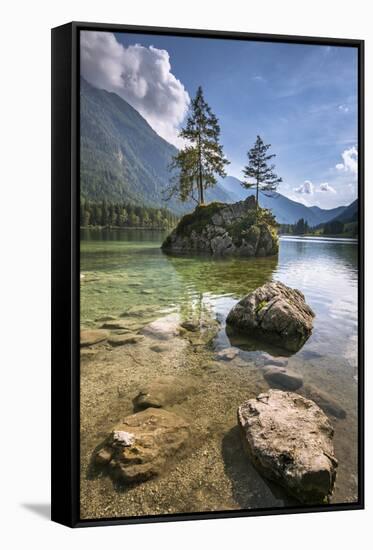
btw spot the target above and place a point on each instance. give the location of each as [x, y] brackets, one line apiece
[65, 271]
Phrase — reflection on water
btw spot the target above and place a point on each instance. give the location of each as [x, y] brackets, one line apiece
[126, 273]
[132, 271]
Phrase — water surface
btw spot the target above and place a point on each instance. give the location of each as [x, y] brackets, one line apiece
[125, 271]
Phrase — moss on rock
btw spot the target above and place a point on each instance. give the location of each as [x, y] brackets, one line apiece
[224, 230]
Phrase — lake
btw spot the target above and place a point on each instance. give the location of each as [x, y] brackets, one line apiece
[125, 272]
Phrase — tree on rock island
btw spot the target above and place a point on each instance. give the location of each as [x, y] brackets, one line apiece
[202, 158]
[259, 174]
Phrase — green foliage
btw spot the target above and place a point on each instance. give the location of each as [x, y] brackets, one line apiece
[245, 228]
[260, 306]
[104, 214]
[265, 216]
[334, 227]
[199, 218]
[197, 164]
[301, 227]
[248, 227]
[258, 173]
[351, 229]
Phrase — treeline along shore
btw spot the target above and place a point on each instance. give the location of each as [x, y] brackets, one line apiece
[123, 215]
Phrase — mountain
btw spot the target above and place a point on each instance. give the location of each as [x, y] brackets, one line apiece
[349, 214]
[285, 210]
[121, 157]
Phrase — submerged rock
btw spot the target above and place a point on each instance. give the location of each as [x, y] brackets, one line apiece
[326, 402]
[164, 328]
[91, 337]
[265, 359]
[227, 354]
[123, 339]
[276, 313]
[140, 447]
[223, 229]
[200, 332]
[279, 377]
[116, 324]
[289, 440]
[164, 391]
[105, 318]
[160, 348]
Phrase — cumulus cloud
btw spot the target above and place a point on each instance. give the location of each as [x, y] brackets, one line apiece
[141, 76]
[308, 188]
[305, 188]
[326, 188]
[349, 164]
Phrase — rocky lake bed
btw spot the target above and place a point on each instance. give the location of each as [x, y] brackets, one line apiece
[168, 371]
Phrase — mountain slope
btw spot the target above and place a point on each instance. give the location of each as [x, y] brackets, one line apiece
[285, 210]
[122, 157]
[349, 214]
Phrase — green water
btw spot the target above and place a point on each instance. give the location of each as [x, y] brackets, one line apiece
[131, 271]
[126, 273]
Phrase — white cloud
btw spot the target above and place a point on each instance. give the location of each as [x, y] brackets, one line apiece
[258, 78]
[305, 188]
[141, 76]
[343, 108]
[349, 164]
[308, 188]
[326, 188]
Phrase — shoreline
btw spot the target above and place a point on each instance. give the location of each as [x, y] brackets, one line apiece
[117, 227]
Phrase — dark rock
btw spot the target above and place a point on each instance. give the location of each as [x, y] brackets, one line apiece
[289, 440]
[279, 377]
[192, 326]
[274, 312]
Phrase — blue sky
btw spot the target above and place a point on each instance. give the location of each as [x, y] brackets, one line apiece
[300, 98]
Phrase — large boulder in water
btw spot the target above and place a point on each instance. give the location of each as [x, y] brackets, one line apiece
[141, 445]
[276, 313]
[223, 229]
[289, 440]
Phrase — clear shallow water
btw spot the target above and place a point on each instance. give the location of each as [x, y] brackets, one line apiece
[125, 272]
[132, 271]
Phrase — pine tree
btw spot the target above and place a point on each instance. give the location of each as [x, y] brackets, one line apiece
[202, 158]
[258, 170]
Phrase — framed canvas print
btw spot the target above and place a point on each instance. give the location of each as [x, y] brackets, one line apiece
[207, 277]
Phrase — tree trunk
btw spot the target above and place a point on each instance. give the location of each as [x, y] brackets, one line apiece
[257, 199]
[201, 189]
[200, 183]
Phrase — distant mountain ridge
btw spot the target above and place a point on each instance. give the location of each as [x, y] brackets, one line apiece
[349, 214]
[123, 159]
[285, 209]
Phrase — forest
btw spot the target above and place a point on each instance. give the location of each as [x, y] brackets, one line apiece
[123, 214]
